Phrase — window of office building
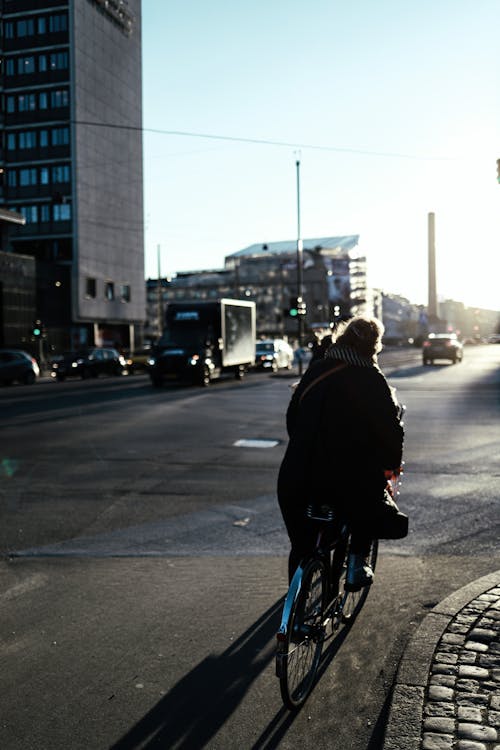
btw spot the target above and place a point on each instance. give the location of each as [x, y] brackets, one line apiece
[25, 27]
[109, 290]
[43, 100]
[45, 212]
[58, 60]
[58, 22]
[42, 63]
[59, 98]
[25, 65]
[44, 138]
[27, 177]
[11, 141]
[59, 136]
[30, 213]
[90, 287]
[60, 173]
[11, 104]
[62, 212]
[41, 25]
[44, 175]
[10, 67]
[27, 139]
[12, 178]
[125, 292]
[8, 30]
[26, 102]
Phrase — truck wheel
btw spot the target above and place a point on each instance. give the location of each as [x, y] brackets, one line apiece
[239, 373]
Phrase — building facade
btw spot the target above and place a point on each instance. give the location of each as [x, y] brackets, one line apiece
[71, 163]
[333, 274]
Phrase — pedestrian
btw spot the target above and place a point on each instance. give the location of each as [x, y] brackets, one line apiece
[320, 347]
[344, 434]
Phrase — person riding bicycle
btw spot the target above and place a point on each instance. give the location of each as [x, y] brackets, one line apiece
[345, 436]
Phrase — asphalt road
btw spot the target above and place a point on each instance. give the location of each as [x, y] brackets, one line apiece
[144, 561]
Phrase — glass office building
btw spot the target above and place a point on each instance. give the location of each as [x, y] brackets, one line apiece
[71, 162]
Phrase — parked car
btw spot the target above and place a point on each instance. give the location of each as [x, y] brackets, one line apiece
[17, 365]
[273, 354]
[442, 346]
[137, 361]
[88, 363]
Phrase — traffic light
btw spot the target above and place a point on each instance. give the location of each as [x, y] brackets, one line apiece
[293, 310]
[301, 307]
[37, 329]
[498, 170]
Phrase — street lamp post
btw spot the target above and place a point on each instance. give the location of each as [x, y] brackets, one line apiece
[300, 317]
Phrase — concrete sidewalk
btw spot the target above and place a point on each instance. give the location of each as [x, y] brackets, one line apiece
[447, 690]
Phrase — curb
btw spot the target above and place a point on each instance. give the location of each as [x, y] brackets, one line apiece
[404, 726]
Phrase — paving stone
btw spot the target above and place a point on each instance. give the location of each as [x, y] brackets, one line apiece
[469, 745]
[445, 658]
[467, 686]
[472, 699]
[439, 724]
[439, 693]
[475, 646]
[447, 680]
[472, 715]
[452, 638]
[432, 741]
[476, 673]
[468, 657]
[445, 668]
[494, 718]
[477, 732]
[483, 635]
[436, 708]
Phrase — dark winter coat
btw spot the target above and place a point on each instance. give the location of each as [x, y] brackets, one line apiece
[344, 432]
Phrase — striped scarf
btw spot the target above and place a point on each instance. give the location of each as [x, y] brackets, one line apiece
[349, 356]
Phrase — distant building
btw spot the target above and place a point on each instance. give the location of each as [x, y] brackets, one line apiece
[334, 284]
[71, 163]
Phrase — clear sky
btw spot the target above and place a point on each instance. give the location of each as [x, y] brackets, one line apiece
[392, 107]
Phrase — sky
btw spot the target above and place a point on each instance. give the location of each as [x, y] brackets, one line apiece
[392, 109]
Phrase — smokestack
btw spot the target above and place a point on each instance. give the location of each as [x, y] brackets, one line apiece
[432, 312]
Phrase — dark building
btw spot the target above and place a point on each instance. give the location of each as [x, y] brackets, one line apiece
[334, 284]
[71, 162]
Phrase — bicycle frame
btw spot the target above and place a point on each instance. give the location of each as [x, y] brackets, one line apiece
[325, 556]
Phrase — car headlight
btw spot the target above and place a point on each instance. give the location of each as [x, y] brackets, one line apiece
[151, 361]
[122, 361]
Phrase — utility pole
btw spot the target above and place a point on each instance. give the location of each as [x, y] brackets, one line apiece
[159, 299]
[300, 301]
[432, 311]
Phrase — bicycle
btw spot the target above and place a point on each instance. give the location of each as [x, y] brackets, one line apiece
[317, 604]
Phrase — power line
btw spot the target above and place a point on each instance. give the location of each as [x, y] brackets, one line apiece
[260, 141]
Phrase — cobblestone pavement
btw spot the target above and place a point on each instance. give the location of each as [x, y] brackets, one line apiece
[447, 692]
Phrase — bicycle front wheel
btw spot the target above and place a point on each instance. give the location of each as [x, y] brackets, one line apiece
[301, 636]
[352, 601]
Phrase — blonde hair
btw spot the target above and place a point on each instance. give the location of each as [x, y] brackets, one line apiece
[363, 334]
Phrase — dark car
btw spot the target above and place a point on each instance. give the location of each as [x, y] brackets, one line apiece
[137, 361]
[273, 354]
[17, 365]
[88, 363]
[442, 346]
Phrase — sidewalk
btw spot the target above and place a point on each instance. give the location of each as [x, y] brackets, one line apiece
[447, 690]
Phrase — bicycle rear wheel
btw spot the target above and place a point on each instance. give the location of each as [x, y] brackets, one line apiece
[301, 636]
[352, 601]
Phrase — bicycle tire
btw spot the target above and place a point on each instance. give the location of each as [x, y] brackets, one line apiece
[300, 641]
[353, 601]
